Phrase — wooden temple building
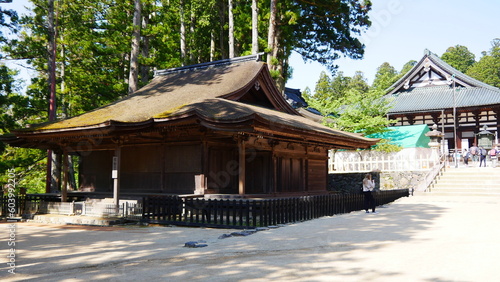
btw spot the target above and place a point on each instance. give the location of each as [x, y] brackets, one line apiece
[214, 128]
[433, 92]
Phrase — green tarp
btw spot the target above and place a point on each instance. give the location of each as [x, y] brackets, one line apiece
[410, 136]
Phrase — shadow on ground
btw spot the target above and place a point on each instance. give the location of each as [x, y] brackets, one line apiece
[330, 247]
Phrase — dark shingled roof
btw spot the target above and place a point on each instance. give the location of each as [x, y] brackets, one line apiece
[441, 97]
[294, 98]
[167, 93]
[416, 91]
[214, 94]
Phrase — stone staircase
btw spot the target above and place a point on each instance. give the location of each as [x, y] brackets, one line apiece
[467, 181]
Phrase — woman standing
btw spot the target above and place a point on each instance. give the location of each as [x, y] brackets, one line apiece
[368, 186]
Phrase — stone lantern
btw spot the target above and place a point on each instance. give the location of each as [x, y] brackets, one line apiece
[485, 138]
[434, 135]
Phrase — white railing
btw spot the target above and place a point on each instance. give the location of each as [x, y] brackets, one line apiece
[56, 208]
[381, 163]
[431, 176]
[126, 209]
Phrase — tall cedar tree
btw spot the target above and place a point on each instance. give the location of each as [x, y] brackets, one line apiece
[459, 57]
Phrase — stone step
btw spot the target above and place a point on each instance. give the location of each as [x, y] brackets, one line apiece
[468, 181]
[439, 193]
[459, 186]
[478, 183]
[468, 189]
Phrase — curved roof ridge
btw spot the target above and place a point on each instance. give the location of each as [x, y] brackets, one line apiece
[462, 76]
[407, 74]
[253, 57]
[445, 67]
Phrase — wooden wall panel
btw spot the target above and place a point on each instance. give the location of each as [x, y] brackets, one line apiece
[140, 169]
[182, 164]
[183, 158]
[317, 175]
[223, 170]
[95, 171]
[290, 176]
[258, 173]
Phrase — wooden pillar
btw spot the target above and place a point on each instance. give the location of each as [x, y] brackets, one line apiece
[273, 179]
[205, 164]
[477, 117]
[411, 119]
[115, 174]
[305, 170]
[497, 118]
[435, 119]
[56, 171]
[64, 186]
[242, 162]
[163, 174]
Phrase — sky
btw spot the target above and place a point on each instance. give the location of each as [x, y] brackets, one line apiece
[402, 29]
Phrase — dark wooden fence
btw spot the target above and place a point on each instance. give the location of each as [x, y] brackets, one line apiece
[227, 213]
[24, 203]
[251, 213]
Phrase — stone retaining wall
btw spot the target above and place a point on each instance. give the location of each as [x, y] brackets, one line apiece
[353, 182]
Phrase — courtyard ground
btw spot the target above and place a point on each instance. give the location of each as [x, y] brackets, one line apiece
[420, 238]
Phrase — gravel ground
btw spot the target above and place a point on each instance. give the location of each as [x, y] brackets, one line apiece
[420, 238]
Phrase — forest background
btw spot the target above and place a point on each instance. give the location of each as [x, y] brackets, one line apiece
[89, 53]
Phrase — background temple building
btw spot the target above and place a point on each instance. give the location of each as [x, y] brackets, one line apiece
[432, 91]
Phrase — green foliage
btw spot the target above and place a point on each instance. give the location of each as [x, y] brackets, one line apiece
[358, 82]
[7, 85]
[323, 87]
[459, 57]
[406, 68]
[340, 85]
[336, 24]
[15, 111]
[8, 20]
[355, 111]
[386, 146]
[29, 166]
[349, 104]
[487, 69]
[363, 112]
[385, 77]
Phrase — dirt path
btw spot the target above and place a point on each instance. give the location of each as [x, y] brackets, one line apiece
[414, 239]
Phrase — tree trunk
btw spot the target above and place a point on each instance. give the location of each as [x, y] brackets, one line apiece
[222, 19]
[279, 67]
[191, 42]
[255, 30]
[231, 29]
[52, 34]
[51, 48]
[271, 36]
[182, 33]
[145, 52]
[134, 53]
[212, 46]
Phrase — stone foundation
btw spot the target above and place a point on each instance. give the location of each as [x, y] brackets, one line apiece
[353, 182]
[76, 220]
